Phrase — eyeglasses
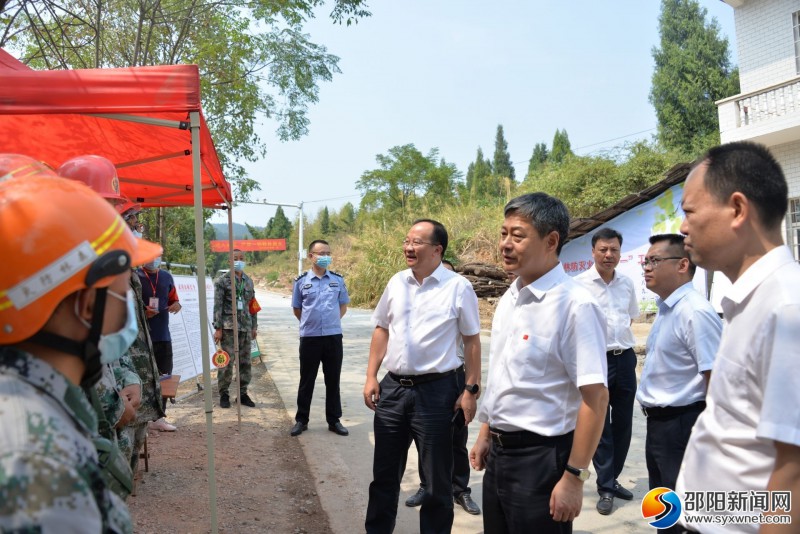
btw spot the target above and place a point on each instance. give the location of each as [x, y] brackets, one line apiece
[417, 243]
[653, 262]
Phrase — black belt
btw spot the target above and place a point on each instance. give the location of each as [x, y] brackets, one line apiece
[668, 411]
[616, 352]
[520, 438]
[409, 381]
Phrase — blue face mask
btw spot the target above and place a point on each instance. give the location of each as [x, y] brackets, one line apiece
[137, 233]
[113, 346]
[153, 265]
[238, 266]
[324, 261]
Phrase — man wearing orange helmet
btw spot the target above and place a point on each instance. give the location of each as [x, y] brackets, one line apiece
[136, 374]
[65, 311]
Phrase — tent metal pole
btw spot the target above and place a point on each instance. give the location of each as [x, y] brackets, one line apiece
[300, 243]
[194, 117]
[180, 125]
[235, 314]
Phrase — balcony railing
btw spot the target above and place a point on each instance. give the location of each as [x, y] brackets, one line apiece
[767, 104]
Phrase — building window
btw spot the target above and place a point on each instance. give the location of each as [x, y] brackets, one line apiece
[793, 230]
[796, 31]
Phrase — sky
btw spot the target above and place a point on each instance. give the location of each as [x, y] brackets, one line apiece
[444, 73]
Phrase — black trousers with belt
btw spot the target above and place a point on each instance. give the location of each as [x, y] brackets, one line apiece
[665, 444]
[609, 458]
[423, 413]
[460, 463]
[313, 350]
[518, 484]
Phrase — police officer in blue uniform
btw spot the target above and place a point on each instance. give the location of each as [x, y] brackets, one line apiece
[319, 301]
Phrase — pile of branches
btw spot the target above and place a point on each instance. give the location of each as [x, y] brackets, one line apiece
[487, 280]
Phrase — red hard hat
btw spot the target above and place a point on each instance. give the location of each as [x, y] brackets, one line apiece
[95, 171]
[127, 206]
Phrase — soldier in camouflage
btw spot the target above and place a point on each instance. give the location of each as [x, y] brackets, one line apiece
[223, 324]
[64, 314]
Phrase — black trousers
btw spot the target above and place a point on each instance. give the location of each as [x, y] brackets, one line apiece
[422, 413]
[313, 350]
[664, 446]
[162, 350]
[518, 484]
[460, 463]
[609, 459]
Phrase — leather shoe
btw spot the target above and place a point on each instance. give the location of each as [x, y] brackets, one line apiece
[416, 499]
[621, 492]
[298, 428]
[245, 399]
[224, 401]
[605, 504]
[469, 506]
[339, 429]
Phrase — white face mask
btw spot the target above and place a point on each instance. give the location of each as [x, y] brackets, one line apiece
[113, 346]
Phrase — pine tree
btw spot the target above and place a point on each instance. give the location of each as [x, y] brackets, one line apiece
[279, 226]
[325, 222]
[692, 71]
[538, 158]
[561, 147]
[501, 163]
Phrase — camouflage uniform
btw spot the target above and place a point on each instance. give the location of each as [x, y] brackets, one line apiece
[223, 318]
[50, 480]
[143, 360]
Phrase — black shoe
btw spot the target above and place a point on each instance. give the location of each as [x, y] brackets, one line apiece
[416, 499]
[606, 503]
[622, 493]
[224, 401]
[298, 428]
[246, 400]
[469, 506]
[339, 429]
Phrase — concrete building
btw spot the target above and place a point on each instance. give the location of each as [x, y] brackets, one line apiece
[767, 110]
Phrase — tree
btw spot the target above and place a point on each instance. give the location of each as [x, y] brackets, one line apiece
[278, 226]
[692, 71]
[561, 147]
[538, 158]
[501, 164]
[255, 61]
[481, 183]
[404, 178]
[324, 222]
[347, 218]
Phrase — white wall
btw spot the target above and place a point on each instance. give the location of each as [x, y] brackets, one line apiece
[788, 155]
[765, 42]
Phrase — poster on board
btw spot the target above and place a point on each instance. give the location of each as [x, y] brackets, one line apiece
[184, 327]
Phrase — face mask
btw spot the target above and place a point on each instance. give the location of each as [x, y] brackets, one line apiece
[238, 266]
[153, 265]
[113, 346]
[324, 261]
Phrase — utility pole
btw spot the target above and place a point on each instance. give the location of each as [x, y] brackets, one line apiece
[300, 254]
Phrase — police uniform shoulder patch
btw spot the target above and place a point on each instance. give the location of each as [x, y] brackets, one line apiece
[337, 274]
[299, 276]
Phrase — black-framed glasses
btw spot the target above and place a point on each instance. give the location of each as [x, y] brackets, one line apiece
[417, 243]
[654, 262]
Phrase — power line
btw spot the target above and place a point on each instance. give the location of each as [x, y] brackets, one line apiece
[602, 142]
[327, 199]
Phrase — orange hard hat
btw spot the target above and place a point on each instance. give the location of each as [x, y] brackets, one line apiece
[95, 171]
[128, 207]
[54, 248]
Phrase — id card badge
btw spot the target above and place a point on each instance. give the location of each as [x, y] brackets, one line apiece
[154, 303]
[239, 305]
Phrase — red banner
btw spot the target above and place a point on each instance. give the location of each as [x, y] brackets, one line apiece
[249, 245]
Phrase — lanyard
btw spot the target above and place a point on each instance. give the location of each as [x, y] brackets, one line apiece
[151, 282]
[240, 289]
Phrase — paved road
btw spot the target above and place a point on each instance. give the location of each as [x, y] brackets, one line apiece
[343, 465]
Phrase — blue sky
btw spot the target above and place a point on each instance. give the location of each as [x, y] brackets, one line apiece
[445, 73]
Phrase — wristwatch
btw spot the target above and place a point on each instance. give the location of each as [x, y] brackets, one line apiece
[582, 474]
[472, 388]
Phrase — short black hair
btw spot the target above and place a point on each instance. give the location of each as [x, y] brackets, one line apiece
[545, 213]
[311, 245]
[606, 234]
[448, 262]
[439, 233]
[752, 170]
[676, 246]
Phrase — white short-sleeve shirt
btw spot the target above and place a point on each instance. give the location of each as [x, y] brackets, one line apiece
[548, 339]
[754, 393]
[424, 321]
[618, 302]
[682, 344]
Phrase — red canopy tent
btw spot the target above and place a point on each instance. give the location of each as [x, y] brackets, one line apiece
[146, 120]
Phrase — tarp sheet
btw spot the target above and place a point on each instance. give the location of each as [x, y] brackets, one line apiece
[54, 115]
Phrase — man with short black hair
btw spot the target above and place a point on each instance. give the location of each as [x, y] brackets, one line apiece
[748, 437]
[617, 297]
[546, 398]
[418, 319]
[319, 301]
[680, 353]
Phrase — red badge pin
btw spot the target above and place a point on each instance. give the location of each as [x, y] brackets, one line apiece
[525, 337]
